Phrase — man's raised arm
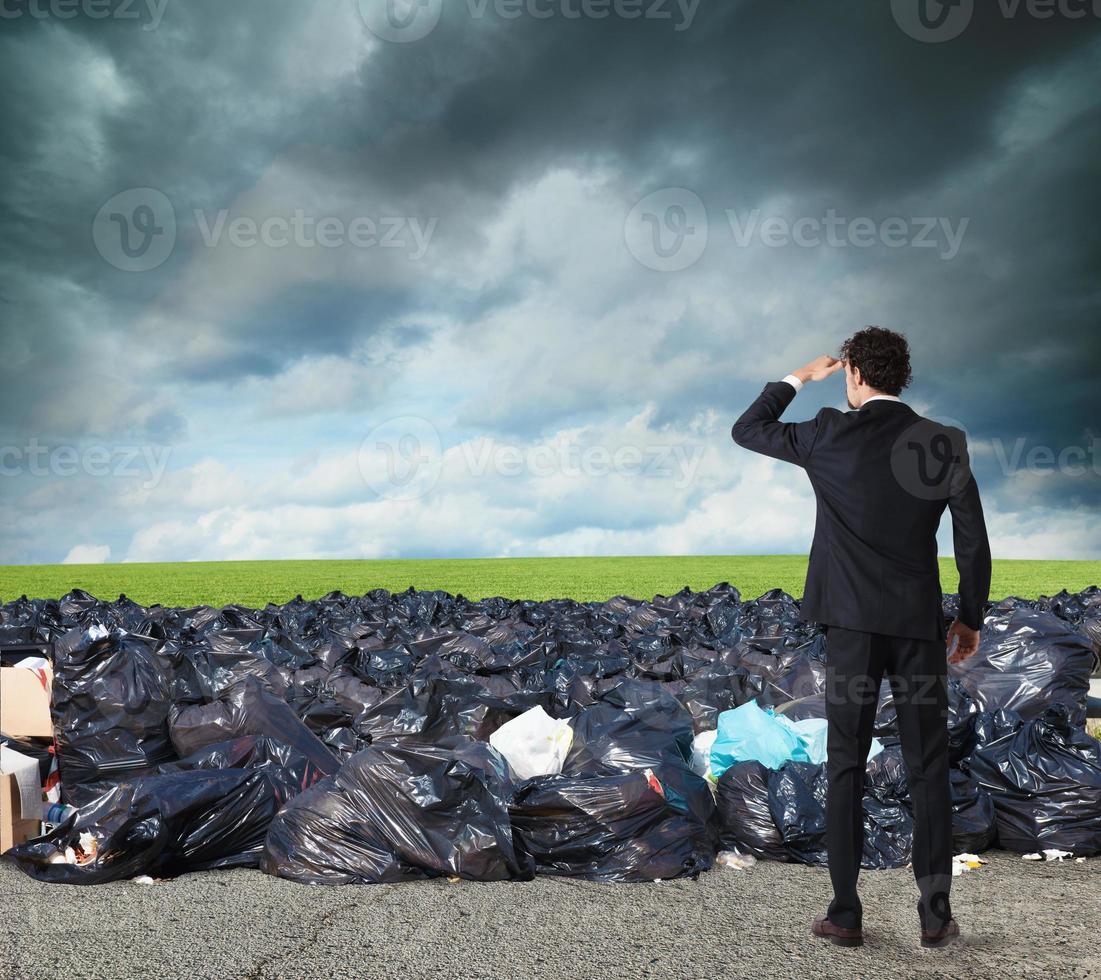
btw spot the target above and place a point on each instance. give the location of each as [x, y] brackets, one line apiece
[760, 429]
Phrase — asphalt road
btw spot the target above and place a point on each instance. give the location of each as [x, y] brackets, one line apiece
[1020, 919]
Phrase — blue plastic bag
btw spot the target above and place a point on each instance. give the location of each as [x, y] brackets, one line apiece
[747, 733]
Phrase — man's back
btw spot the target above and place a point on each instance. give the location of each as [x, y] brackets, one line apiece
[882, 476]
[881, 491]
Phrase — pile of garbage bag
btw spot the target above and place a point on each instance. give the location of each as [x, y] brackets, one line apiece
[1044, 778]
[398, 811]
[400, 736]
[1029, 660]
[161, 826]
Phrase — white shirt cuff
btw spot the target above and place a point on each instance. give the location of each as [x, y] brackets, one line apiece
[794, 382]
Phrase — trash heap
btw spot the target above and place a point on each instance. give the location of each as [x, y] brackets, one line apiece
[392, 737]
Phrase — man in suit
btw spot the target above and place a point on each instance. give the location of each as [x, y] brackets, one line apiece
[882, 477]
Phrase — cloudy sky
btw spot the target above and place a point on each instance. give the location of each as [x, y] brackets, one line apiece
[494, 277]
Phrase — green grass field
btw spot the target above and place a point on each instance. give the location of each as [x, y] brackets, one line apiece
[256, 583]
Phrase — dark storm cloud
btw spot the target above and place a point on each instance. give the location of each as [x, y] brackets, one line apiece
[830, 103]
[825, 106]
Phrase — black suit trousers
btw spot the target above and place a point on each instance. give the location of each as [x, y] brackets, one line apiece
[917, 669]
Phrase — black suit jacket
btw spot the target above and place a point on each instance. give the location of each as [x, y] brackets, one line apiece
[882, 477]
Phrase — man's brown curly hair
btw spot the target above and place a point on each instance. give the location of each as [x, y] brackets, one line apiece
[881, 356]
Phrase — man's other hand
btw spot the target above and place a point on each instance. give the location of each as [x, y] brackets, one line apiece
[818, 369]
[967, 642]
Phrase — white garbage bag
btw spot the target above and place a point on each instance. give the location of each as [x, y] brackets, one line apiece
[534, 743]
[701, 753]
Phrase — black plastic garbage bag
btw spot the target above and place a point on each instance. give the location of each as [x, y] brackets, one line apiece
[962, 711]
[1027, 661]
[745, 820]
[636, 725]
[250, 709]
[399, 811]
[797, 801]
[788, 673]
[1082, 610]
[635, 826]
[974, 823]
[111, 697]
[1044, 776]
[441, 705]
[212, 667]
[888, 814]
[318, 706]
[814, 706]
[162, 826]
[709, 691]
[467, 705]
[780, 814]
[743, 802]
[292, 771]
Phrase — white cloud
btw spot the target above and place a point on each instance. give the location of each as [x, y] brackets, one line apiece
[1044, 533]
[620, 486]
[87, 554]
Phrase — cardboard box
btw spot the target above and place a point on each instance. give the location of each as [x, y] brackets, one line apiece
[25, 702]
